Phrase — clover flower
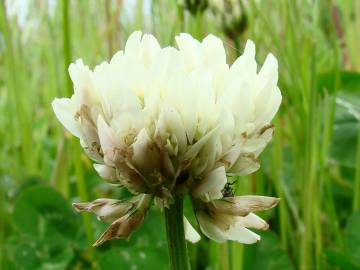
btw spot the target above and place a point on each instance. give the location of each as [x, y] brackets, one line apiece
[231, 15]
[195, 7]
[164, 122]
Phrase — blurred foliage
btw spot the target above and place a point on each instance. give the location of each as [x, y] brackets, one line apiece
[313, 163]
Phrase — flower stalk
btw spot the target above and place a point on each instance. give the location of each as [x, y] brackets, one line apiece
[176, 236]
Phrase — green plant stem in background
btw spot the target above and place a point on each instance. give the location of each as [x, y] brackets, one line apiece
[58, 176]
[81, 189]
[16, 104]
[277, 164]
[224, 255]
[311, 162]
[2, 227]
[176, 236]
[237, 256]
[80, 181]
[356, 199]
[67, 44]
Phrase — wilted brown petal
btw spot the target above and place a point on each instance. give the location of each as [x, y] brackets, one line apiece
[122, 227]
[132, 178]
[107, 210]
[163, 198]
[150, 160]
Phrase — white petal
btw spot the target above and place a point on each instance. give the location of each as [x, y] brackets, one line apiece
[242, 205]
[256, 203]
[245, 64]
[253, 144]
[271, 108]
[242, 235]
[91, 152]
[268, 75]
[65, 112]
[149, 48]
[195, 148]
[145, 154]
[213, 51]
[266, 136]
[249, 49]
[148, 158]
[170, 122]
[252, 221]
[244, 165]
[207, 158]
[141, 143]
[234, 232]
[132, 47]
[108, 140]
[227, 130]
[190, 50]
[76, 72]
[106, 172]
[117, 58]
[231, 156]
[190, 233]
[267, 86]
[209, 228]
[82, 78]
[211, 185]
[237, 98]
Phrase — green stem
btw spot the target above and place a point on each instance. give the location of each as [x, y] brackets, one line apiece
[224, 256]
[176, 236]
[67, 45]
[356, 199]
[237, 255]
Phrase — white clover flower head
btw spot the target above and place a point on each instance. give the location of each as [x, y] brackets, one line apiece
[172, 121]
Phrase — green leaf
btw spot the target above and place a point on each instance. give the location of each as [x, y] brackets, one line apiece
[352, 237]
[347, 116]
[340, 260]
[267, 254]
[350, 81]
[31, 253]
[346, 80]
[151, 258]
[43, 255]
[42, 212]
[146, 248]
[343, 148]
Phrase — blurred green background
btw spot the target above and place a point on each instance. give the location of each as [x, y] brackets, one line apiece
[313, 162]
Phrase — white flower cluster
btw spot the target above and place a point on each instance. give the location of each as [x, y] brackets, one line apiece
[164, 122]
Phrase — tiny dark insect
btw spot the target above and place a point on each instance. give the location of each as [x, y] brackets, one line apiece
[228, 190]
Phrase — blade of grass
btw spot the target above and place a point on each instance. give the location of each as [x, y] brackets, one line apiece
[80, 182]
[356, 197]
